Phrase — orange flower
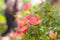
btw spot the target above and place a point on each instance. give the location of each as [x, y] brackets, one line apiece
[52, 34]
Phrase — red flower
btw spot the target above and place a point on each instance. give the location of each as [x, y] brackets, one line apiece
[27, 7]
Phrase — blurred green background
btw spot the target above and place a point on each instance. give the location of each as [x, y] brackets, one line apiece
[2, 17]
[2, 7]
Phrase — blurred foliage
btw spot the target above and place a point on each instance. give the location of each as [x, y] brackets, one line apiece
[3, 25]
[2, 19]
[2, 4]
[26, 1]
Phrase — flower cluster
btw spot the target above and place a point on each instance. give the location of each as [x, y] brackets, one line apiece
[24, 25]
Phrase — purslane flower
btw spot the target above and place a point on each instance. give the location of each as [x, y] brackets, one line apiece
[26, 7]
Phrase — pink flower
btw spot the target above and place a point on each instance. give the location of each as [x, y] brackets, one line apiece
[27, 7]
[35, 20]
[24, 27]
[27, 27]
[20, 25]
[28, 16]
[19, 33]
[26, 19]
[32, 20]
